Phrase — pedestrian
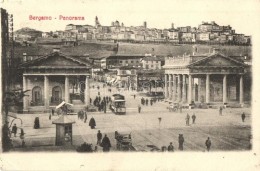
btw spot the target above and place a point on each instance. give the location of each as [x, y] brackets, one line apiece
[52, 112]
[146, 102]
[134, 96]
[92, 123]
[187, 119]
[170, 147]
[180, 108]
[106, 144]
[220, 110]
[50, 117]
[151, 102]
[208, 144]
[243, 116]
[99, 137]
[14, 130]
[36, 123]
[193, 118]
[90, 100]
[85, 116]
[139, 109]
[181, 142]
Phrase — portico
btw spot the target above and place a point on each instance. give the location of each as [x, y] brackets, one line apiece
[205, 79]
[55, 78]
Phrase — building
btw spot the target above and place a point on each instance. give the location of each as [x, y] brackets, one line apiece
[55, 78]
[213, 78]
[115, 61]
[127, 77]
[152, 62]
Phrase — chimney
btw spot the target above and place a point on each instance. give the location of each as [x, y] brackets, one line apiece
[24, 57]
[56, 50]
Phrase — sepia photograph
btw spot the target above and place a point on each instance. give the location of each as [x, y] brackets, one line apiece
[116, 78]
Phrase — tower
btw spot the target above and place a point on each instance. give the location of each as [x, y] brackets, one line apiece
[145, 24]
[97, 22]
[172, 25]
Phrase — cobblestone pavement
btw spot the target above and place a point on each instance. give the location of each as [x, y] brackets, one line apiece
[227, 132]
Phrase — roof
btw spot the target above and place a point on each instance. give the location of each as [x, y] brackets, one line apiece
[214, 55]
[55, 54]
[154, 59]
[63, 120]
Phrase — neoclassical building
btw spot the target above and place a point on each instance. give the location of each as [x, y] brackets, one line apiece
[55, 78]
[212, 78]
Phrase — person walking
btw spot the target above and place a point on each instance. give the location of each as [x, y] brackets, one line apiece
[187, 119]
[151, 102]
[106, 144]
[181, 142]
[85, 116]
[208, 144]
[49, 116]
[243, 116]
[170, 147]
[220, 110]
[193, 118]
[14, 130]
[52, 112]
[139, 109]
[99, 137]
[92, 123]
[134, 96]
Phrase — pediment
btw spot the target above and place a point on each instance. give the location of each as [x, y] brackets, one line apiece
[217, 60]
[58, 60]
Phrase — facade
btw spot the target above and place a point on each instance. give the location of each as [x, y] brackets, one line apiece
[55, 78]
[116, 61]
[214, 78]
[152, 63]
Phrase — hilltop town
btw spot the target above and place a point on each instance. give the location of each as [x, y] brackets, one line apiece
[206, 32]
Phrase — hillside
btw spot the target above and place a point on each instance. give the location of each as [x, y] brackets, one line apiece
[29, 31]
[97, 50]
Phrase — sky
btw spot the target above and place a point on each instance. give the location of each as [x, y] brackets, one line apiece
[243, 16]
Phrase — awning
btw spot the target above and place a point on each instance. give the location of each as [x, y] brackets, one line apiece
[63, 103]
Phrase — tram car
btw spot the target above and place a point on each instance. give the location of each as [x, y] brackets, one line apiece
[118, 104]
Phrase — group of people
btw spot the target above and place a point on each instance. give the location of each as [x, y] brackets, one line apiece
[146, 101]
[181, 143]
[104, 143]
[188, 119]
[101, 103]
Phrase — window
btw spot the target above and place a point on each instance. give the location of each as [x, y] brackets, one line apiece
[151, 66]
[126, 61]
[132, 61]
[120, 62]
[157, 62]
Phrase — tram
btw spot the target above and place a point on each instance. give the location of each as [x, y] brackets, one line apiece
[118, 104]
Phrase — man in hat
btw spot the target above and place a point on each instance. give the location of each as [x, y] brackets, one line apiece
[106, 144]
[139, 109]
[243, 116]
[14, 130]
[187, 119]
[170, 147]
[208, 144]
[181, 141]
[193, 118]
[99, 137]
[92, 123]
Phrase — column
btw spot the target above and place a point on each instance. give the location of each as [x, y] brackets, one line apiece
[25, 98]
[87, 93]
[184, 92]
[190, 89]
[67, 92]
[170, 85]
[241, 90]
[174, 83]
[207, 88]
[166, 86]
[179, 88]
[225, 88]
[46, 91]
